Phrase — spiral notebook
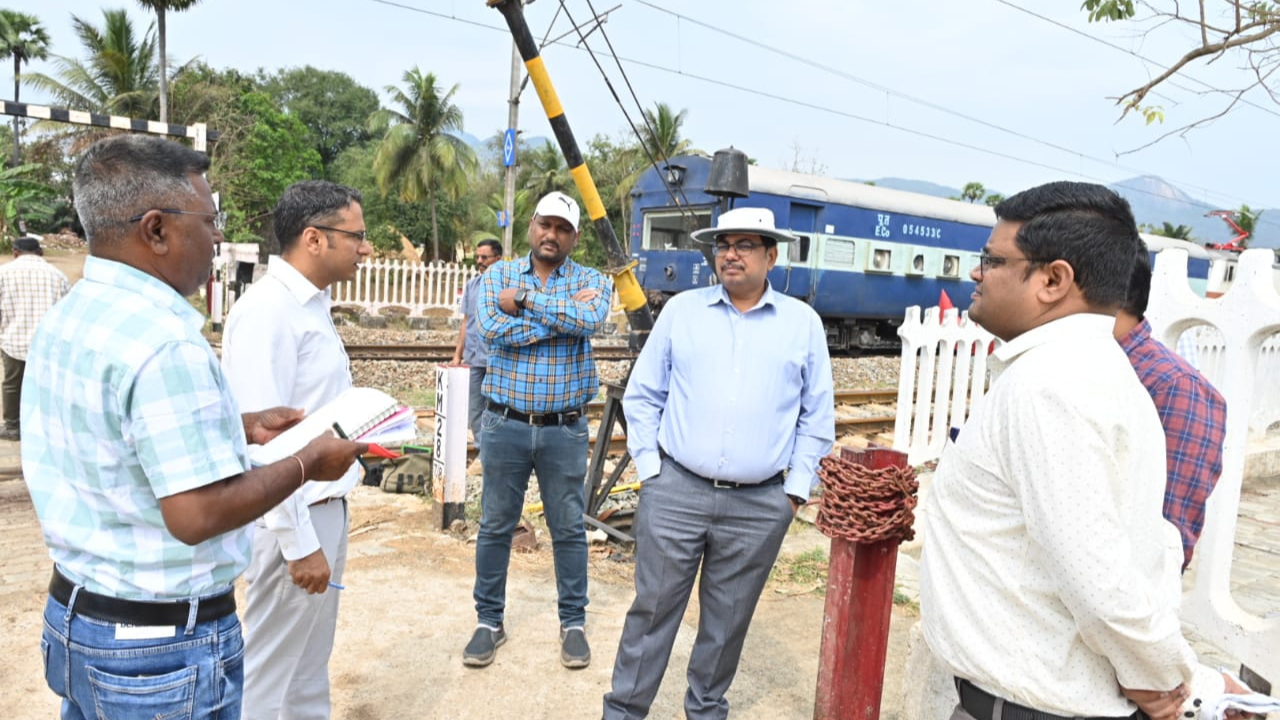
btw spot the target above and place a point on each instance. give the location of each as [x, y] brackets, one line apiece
[364, 414]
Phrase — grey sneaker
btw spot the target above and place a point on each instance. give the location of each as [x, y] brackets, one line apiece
[574, 651]
[483, 646]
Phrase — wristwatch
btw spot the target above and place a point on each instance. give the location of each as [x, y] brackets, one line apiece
[797, 499]
[521, 295]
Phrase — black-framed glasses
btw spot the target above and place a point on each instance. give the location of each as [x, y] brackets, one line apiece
[487, 257]
[357, 234]
[742, 248]
[986, 261]
[219, 217]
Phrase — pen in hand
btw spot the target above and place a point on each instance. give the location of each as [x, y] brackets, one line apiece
[336, 586]
[338, 429]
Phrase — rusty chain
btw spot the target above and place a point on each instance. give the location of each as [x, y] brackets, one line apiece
[864, 505]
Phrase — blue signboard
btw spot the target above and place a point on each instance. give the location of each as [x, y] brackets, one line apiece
[509, 147]
[503, 220]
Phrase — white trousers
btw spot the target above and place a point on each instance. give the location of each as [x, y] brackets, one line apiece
[288, 633]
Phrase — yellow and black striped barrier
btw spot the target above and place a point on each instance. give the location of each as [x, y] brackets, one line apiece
[621, 267]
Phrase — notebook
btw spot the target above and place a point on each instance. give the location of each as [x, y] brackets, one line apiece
[364, 414]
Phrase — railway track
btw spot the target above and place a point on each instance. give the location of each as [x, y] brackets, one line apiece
[444, 352]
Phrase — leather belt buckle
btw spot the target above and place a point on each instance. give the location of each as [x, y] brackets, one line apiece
[538, 419]
[723, 484]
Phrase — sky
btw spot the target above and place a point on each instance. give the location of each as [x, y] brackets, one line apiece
[1009, 93]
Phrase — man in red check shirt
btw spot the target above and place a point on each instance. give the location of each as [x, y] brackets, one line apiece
[1193, 413]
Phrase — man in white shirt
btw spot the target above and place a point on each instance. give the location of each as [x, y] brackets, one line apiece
[280, 347]
[1049, 577]
[29, 286]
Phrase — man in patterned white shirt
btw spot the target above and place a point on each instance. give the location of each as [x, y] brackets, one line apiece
[1049, 577]
[136, 455]
[29, 286]
[281, 348]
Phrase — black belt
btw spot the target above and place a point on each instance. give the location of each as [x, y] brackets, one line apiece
[564, 417]
[722, 484]
[982, 706]
[138, 612]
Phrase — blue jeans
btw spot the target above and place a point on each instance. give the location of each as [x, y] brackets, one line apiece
[558, 454]
[476, 402]
[196, 674]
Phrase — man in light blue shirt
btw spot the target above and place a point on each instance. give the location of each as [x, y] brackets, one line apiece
[471, 349]
[729, 409]
[135, 455]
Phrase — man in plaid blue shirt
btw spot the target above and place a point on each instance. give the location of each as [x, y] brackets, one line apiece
[1192, 411]
[135, 452]
[537, 314]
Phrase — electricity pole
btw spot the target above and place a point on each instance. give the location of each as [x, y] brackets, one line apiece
[513, 117]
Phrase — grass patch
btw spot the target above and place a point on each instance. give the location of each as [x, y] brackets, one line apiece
[806, 570]
[904, 601]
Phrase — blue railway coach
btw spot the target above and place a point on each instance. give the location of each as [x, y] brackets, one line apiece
[865, 253]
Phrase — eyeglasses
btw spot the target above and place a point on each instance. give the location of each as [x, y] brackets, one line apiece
[487, 257]
[742, 248]
[219, 217]
[357, 234]
[987, 261]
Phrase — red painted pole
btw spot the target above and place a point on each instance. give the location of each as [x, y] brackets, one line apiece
[855, 624]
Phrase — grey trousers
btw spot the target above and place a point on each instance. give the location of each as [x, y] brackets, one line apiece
[288, 633]
[728, 539]
[476, 402]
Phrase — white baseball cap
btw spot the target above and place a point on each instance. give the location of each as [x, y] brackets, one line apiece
[557, 204]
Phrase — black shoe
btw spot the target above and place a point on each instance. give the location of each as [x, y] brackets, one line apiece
[483, 646]
[574, 651]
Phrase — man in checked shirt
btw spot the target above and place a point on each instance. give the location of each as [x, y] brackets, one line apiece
[1193, 413]
[29, 286]
[537, 314]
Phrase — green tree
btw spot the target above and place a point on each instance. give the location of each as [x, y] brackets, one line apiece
[118, 74]
[545, 170]
[161, 9]
[1247, 219]
[334, 108]
[17, 186]
[270, 153]
[993, 199]
[662, 133]
[1169, 230]
[23, 39]
[972, 192]
[418, 155]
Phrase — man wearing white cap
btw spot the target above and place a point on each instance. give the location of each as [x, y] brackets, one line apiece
[537, 314]
[729, 409]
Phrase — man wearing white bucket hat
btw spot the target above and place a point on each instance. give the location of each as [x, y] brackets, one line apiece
[729, 409]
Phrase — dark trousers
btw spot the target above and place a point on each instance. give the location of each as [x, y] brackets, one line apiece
[12, 389]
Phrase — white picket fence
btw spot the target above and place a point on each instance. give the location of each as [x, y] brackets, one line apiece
[414, 286]
[944, 372]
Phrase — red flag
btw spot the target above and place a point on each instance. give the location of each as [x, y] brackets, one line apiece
[944, 304]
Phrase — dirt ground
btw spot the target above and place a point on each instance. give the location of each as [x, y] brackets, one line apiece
[407, 612]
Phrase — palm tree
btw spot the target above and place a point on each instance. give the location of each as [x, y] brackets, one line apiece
[1169, 230]
[547, 170]
[661, 136]
[161, 7]
[117, 76]
[972, 192]
[418, 155]
[1247, 219]
[23, 39]
[993, 199]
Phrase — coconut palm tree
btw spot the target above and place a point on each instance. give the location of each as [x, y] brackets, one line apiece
[546, 170]
[661, 133]
[161, 8]
[418, 155]
[1247, 219]
[24, 39]
[118, 74]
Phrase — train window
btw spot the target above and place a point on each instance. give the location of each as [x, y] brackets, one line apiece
[881, 260]
[798, 251]
[916, 267]
[951, 266]
[670, 229]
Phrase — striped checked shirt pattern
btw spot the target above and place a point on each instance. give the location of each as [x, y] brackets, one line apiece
[1194, 416]
[540, 361]
[124, 403]
[29, 286]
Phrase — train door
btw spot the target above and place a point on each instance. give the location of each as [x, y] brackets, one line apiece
[791, 274]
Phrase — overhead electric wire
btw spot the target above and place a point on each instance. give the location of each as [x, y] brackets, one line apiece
[852, 116]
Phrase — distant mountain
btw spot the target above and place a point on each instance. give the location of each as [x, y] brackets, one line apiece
[483, 152]
[1154, 202]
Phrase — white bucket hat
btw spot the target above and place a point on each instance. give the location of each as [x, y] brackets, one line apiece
[744, 221]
